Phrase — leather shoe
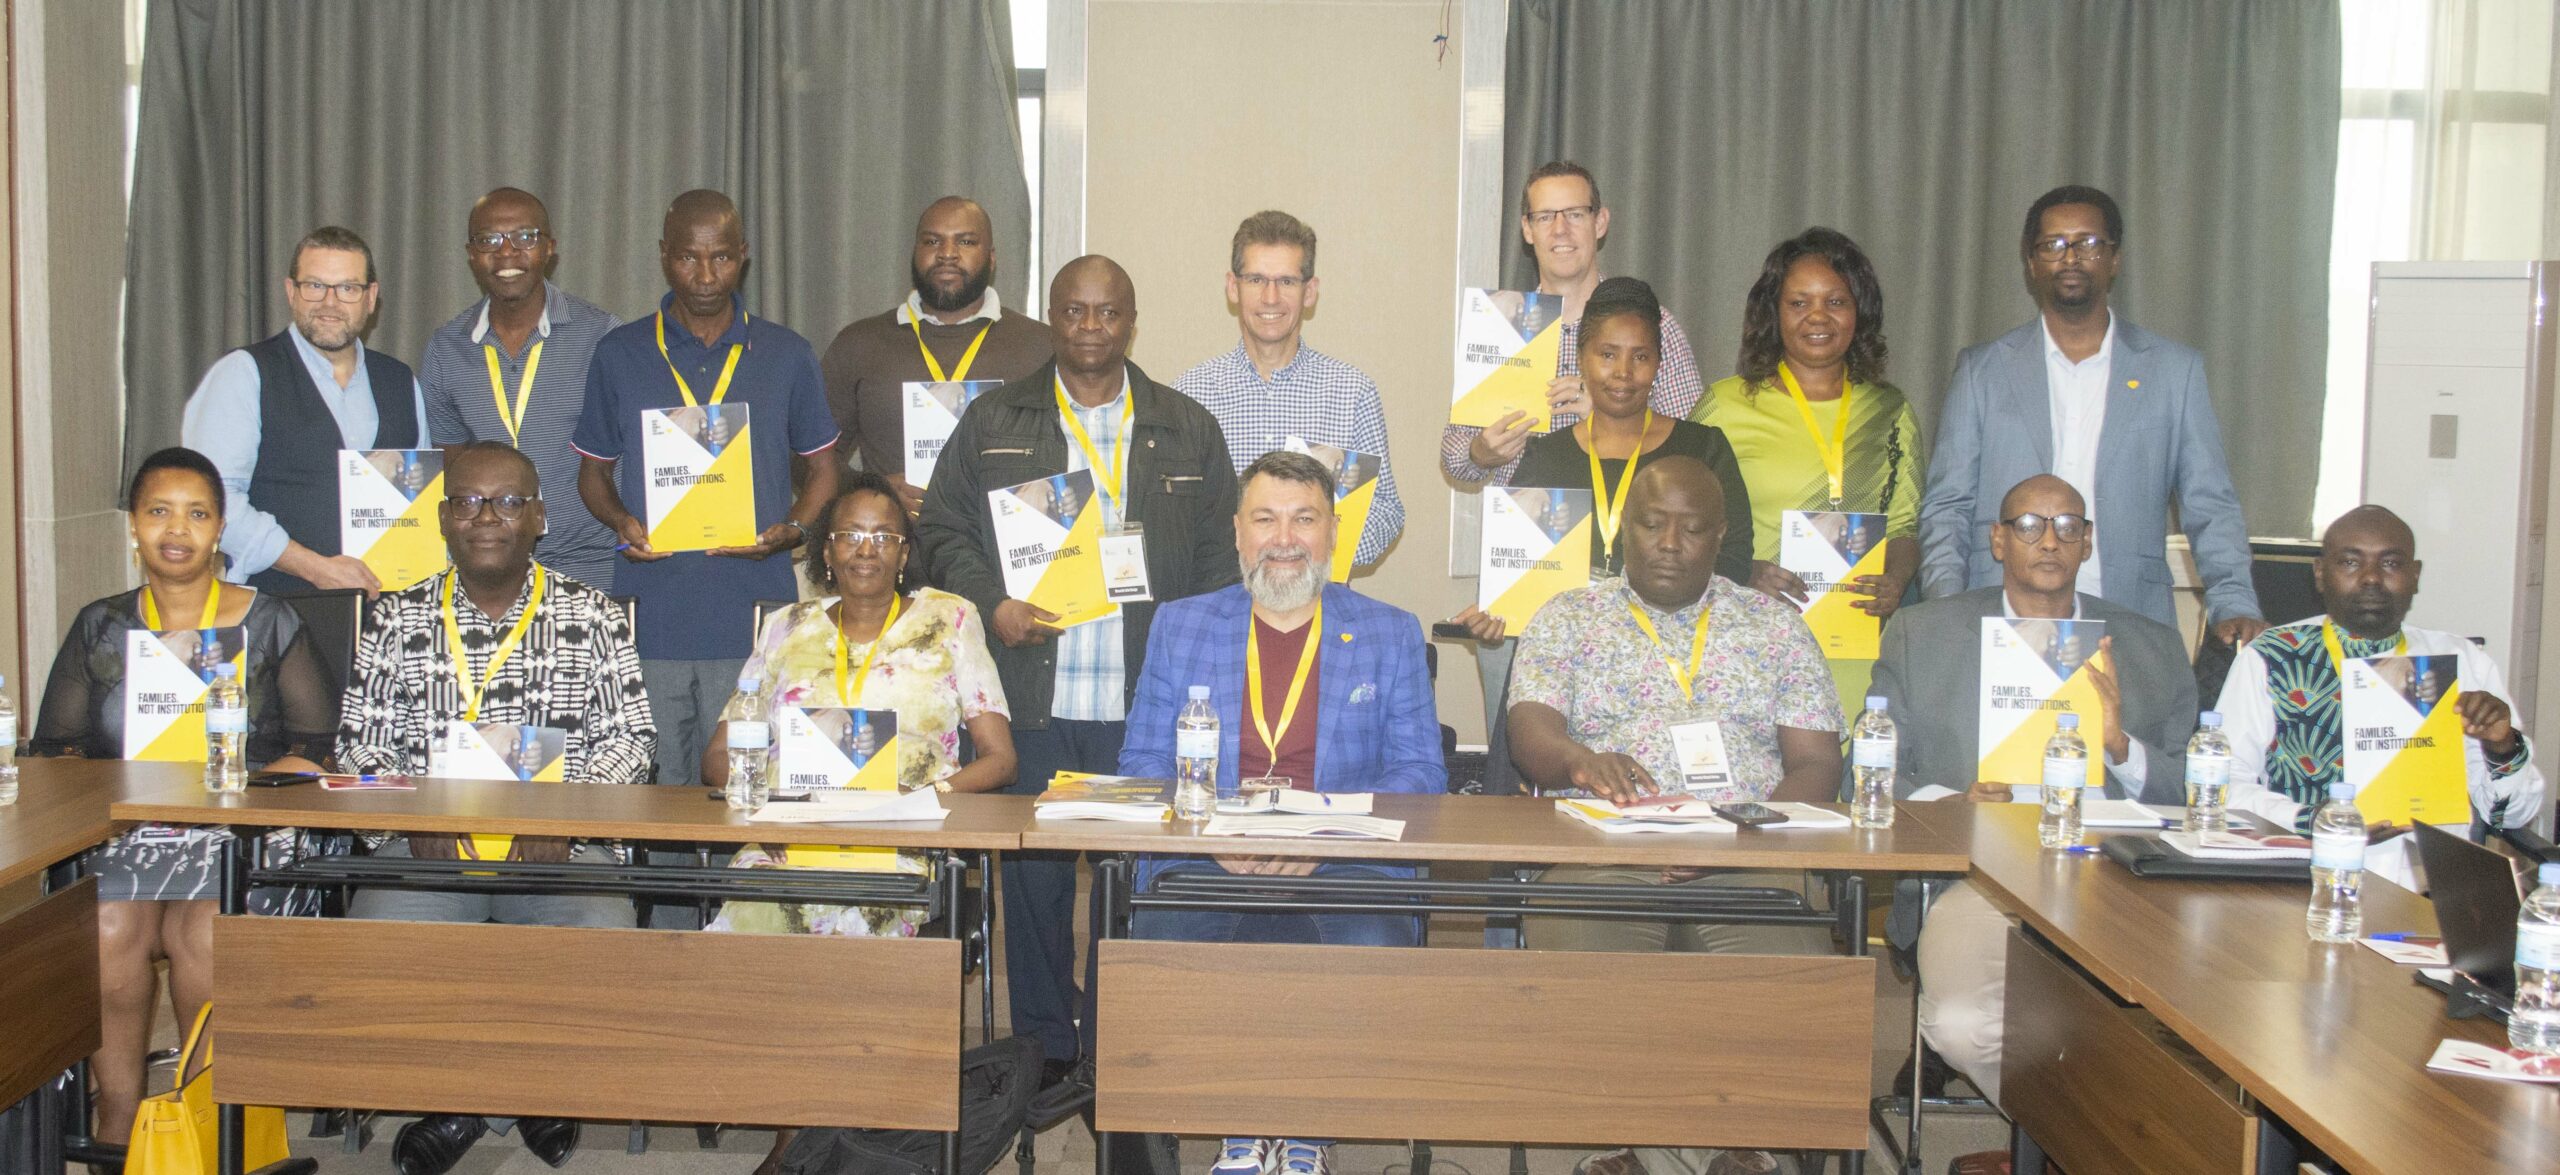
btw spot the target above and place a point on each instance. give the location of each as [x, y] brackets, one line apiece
[1065, 1087]
[551, 1140]
[433, 1144]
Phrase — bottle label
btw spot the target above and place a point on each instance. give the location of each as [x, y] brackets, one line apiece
[1871, 752]
[8, 730]
[2067, 774]
[2338, 850]
[750, 736]
[2538, 945]
[1195, 744]
[2208, 770]
[226, 720]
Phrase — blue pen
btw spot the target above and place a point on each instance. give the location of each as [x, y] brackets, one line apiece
[2405, 936]
[2080, 848]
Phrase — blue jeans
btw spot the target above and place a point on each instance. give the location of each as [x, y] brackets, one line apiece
[1344, 930]
[1040, 895]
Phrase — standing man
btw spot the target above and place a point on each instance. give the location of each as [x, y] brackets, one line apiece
[513, 369]
[2120, 413]
[259, 413]
[952, 328]
[697, 608]
[1272, 386]
[1160, 463]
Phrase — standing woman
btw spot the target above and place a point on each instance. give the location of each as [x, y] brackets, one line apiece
[157, 884]
[1815, 425]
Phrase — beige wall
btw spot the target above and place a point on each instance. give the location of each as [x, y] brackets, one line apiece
[1205, 111]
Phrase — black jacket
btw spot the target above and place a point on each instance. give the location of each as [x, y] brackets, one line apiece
[1182, 490]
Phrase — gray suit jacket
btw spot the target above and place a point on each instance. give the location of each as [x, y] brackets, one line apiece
[1929, 670]
[2160, 441]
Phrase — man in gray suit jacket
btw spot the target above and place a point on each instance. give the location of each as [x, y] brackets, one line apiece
[2120, 413]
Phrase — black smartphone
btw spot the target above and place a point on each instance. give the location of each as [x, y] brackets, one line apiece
[1750, 815]
[281, 778]
[1452, 630]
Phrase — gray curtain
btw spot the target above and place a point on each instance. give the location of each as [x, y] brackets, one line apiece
[1924, 129]
[831, 122]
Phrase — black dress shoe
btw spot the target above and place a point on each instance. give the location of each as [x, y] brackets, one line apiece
[551, 1140]
[1065, 1087]
[433, 1144]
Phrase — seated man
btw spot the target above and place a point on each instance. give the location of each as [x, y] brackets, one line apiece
[538, 650]
[1929, 671]
[1608, 679]
[2281, 704]
[1350, 712]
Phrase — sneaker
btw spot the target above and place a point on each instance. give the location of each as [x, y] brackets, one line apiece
[1297, 1156]
[1245, 1156]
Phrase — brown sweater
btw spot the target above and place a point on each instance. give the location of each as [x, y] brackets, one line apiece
[870, 362]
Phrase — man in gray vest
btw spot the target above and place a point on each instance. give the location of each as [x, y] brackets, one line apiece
[259, 411]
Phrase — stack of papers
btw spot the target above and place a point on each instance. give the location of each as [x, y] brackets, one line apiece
[1283, 824]
[1672, 813]
[2409, 952]
[1302, 803]
[2239, 845]
[2487, 1060]
[1074, 795]
[851, 806]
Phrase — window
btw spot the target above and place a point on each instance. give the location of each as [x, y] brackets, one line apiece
[1031, 78]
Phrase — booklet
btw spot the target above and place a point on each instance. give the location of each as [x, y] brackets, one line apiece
[1285, 824]
[2034, 671]
[166, 677]
[933, 410]
[1508, 345]
[1049, 532]
[1826, 549]
[1673, 812]
[2240, 845]
[2488, 1060]
[851, 807]
[1355, 491]
[502, 751]
[387, 512]
[2403, 738]
[2413, 951]
[1074, 795]
[827, 747]
[1534, 544]
[1301, 803]
[699, 477]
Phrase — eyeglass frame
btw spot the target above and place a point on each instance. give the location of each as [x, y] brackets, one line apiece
[883, 541]
[1288, 283]
[312, 291]
[469, 507]
[479, 242]
[2059, 245]
[1577, 215]
[2018, 525]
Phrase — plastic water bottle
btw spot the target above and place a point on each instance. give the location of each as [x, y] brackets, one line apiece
[750, 746]
[2534, 1024]
[1195, 757]
[2066, 775]
[1871, 759]
[2337, 868]
[226, 732]
[8, 747]
[2208, 774]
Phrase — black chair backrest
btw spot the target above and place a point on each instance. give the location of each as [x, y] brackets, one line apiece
[334, 617]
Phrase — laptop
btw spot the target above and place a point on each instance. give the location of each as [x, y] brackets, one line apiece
[2476, 894]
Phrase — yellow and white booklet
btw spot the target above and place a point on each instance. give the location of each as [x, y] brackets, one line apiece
[699, 477]
[1355, 491]
[500, 751]
[933, 410]
[2033, 672]
[1826, 549]
[1535, 543]
[387, 512]
[1508, 344]
[821, 749]
[2403, 738]
[1049, 534]
[166, 677]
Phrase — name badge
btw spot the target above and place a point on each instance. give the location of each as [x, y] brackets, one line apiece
[1700, 748]
[1124, 563]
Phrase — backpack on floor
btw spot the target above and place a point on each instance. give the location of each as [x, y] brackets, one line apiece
[996, 1084]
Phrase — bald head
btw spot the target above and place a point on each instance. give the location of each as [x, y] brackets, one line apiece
[966, 212]
[700, 208]
[955, 258]
[2370, 524]
[2042, 494]
[1093, 311]
[510, 202]
[2042, 562]
[2367, 572]
[1672, 525]
[702, 250]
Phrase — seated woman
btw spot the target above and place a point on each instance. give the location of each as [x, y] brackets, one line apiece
[157, 884]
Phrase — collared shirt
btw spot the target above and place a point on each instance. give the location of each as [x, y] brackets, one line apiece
[461, 409]
[990, 308]
[1677, 387]
[2137, 761]
[1092, 667]
[576, 669]
[1315, 397]
[1583, 656]
[2079, 404]
[223, 421]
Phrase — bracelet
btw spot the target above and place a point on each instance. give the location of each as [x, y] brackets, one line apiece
[794, 524]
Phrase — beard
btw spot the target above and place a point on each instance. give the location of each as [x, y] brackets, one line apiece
[933, 298]
[1285, 587]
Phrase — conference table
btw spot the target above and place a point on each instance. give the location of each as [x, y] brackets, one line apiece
[2194, 1026]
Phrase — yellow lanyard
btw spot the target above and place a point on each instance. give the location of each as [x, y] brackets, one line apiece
[212, 605]
[1611, 512]
[1697, 647]
[916, 324]
[471, 692]
[853, 697]
[2338, 653]
[1107, 477]
[1297, 684]
[524, 387]
[719, 391]
[1835, 455]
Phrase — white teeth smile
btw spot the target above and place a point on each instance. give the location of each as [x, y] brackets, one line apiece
[510, 273]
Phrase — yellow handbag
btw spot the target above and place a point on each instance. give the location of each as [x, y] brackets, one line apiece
[175, 1133]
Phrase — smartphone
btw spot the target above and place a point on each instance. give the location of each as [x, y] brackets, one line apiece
[1452, 631]
[280, 778]
[1750, 815]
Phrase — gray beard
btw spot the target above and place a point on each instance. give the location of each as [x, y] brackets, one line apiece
[1279, 592]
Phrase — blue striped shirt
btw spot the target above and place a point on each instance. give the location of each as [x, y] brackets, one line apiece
[1315, 397]
[1093, 670]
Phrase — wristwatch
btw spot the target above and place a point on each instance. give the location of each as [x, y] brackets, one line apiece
[794, 524]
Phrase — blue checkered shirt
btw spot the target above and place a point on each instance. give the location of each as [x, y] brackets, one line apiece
[1092, 669]
[1315, 397]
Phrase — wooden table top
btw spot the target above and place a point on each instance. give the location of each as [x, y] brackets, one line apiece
[62, 807]
[1530, 830]
[588, 810]
[2333, 1038]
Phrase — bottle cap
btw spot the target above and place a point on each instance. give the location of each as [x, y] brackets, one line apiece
[2342, 790]
[2068, 721]
[2549, 874]
[1875, 702]
[2210, 720]
[749, 683]
[1199, 693]
[226, 669]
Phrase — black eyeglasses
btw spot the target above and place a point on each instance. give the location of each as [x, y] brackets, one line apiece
[490, 242]
[2085, 248]
[311, 291]
[1577, 216]
[2030, 527]
[467, 506]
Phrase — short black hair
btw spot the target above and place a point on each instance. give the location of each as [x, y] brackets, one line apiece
[184, 459]
[2072, 194]
[1555, 169]
[1761, 346]
[330, 236]
[854, 484]
[1622, 295]
[1287, 465]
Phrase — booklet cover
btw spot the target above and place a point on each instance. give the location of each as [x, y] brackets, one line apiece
[1074, 795]
[387, 512]
[1826, 549]
[1049, 532]
[1355, 491]
[502, 751]
[823, 747]
[166, 676]
[1536, 543]
[2034, 671]
[1508, 345]
[933, 410]
[2487, 1060]
[2403, 738]
[700, 478]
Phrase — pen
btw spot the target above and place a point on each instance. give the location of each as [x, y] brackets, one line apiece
[619, 548]
[2415, 940]
[2080, 848]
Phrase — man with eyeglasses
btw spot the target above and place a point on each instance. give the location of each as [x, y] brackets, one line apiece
[2043, 397]
[273, 415]
[497, 638]
[513, 369]
[1272, 386]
